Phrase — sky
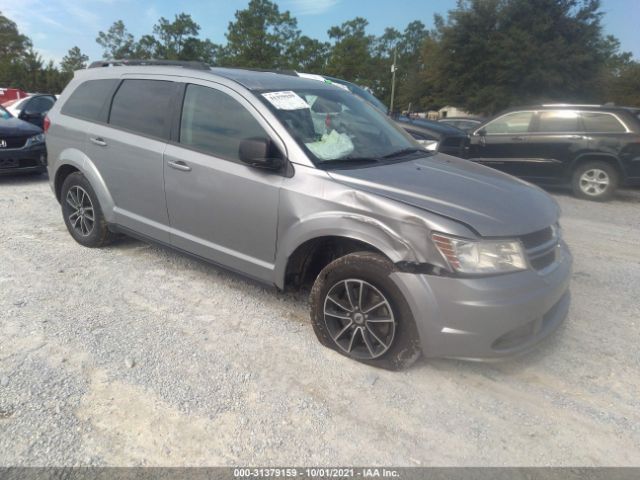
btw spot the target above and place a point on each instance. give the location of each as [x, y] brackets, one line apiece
[55, 26]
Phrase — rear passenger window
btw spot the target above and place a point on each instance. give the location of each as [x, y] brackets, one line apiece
[87, 100]
[558, 121]
[601, 123]
[215, 123]
[144, 106]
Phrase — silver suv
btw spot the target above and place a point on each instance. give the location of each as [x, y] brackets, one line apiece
[293, 182]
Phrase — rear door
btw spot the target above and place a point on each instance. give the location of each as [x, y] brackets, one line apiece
[503, 143]
[557, 137]
[611, 133]
[128, 153]
[220, 208]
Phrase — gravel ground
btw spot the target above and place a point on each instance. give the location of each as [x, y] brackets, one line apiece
[137, 355]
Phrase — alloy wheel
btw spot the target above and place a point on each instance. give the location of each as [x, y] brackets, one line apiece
[359, 319]
[594, 182]
[82, 217]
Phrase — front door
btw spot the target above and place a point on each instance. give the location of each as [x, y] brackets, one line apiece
[503, 143]
[220, 208]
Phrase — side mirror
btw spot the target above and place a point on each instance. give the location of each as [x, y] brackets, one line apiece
[260, 153]
[482, 132]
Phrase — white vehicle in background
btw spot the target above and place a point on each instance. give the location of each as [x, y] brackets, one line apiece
[33, 108]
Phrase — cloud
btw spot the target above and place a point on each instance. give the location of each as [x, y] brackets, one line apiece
[310, 7]
[152, 14]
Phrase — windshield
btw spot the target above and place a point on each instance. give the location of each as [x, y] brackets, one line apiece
[363, 93]
[4, 114]
[333, 125]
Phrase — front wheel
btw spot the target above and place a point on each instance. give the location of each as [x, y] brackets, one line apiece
[358, 311]
[594, 181]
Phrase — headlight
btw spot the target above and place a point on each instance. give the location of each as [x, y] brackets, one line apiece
[431, 145]
[481, 256]
[35, 139]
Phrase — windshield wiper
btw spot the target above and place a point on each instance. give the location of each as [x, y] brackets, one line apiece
[406, 151]
[347, 160]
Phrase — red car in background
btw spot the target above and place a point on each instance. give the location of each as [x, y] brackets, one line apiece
[9, 94]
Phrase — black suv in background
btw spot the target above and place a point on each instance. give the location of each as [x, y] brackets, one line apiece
[592, 148]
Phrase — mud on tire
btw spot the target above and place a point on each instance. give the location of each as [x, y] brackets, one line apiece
[358, 285]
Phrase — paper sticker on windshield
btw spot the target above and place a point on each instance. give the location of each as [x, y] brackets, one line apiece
[286, 100]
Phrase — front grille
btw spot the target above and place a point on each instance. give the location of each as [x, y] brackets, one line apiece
[541, 247]
[13, 142]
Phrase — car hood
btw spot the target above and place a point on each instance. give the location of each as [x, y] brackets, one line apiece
[14, 127]
[492, 203]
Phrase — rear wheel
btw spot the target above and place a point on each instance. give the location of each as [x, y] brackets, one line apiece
[358, 311]
[82, 213]
[595, 181]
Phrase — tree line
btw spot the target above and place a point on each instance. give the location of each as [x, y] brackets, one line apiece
[485, 55]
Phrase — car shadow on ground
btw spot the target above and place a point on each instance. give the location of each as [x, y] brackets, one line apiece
[23, 179]
[626, 195]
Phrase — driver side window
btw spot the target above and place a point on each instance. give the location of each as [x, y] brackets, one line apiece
[215, 123]
[511, 123]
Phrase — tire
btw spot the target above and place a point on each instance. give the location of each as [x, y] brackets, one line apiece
[594, 181]
[82, 213]
[394, 343]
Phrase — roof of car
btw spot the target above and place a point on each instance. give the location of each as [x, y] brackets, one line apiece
[569, 106]
[251, 79]
[259, 80]
[457, 119]
[433, 127]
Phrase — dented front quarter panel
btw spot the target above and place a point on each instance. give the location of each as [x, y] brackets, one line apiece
[313, 205]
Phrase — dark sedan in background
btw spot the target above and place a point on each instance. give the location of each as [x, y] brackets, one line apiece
[22, 147]
[468, 124]
[435, 136]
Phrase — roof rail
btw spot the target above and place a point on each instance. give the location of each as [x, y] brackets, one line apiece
[570, 105]
[152, 62]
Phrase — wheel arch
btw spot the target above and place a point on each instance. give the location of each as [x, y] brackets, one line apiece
[300, 253]
[608, 158]
[73, 160]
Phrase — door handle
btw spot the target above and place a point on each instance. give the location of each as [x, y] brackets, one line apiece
[517, 139]
[98, 141]
[179, 165]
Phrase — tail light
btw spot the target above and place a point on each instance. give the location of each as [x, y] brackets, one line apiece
[46, 124]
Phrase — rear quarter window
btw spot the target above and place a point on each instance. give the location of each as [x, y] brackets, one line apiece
[595, 122]
[87, 100]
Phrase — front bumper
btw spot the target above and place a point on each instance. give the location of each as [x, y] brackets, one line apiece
[23, 160]
[489, 317]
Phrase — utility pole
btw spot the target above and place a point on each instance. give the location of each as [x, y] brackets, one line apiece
[393, 78]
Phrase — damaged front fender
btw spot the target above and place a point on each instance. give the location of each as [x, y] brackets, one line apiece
[312, 206]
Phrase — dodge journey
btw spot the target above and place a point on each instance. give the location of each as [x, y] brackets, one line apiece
[294, 182]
